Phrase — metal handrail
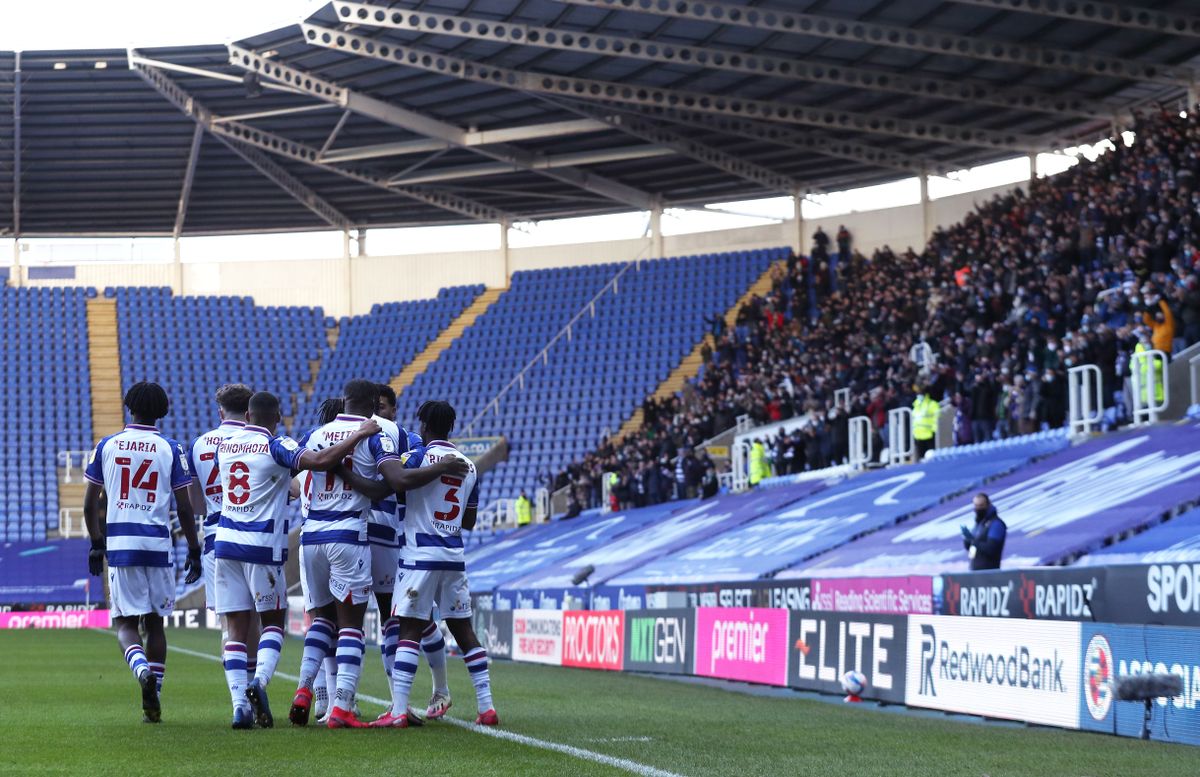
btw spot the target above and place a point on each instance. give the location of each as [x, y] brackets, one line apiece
[67, 459]
[543, 355]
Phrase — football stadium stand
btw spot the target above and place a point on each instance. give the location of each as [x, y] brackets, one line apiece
[585, 380]
[193, 345]
[382, 343]
[47, 399]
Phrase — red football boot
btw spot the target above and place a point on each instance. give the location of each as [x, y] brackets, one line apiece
[301, 704]
[340, 718]
[489, 718]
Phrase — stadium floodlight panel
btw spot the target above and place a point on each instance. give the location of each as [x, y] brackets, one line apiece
[751, 63]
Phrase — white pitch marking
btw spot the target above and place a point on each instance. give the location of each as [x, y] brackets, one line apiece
[571, 750]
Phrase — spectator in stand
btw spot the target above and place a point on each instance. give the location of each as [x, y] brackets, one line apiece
[709, 485]
[843, 242]
[1052, 278]
[1161, 323]
[984, 542]
[925, 413]
[820, 250]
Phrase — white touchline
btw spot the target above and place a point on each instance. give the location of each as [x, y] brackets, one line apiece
[509, 736]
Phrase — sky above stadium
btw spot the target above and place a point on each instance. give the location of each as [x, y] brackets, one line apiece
[31, 25]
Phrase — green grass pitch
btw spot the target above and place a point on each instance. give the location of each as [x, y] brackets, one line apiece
[70, 707]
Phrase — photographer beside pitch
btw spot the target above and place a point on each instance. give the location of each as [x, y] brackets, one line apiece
[985, 544]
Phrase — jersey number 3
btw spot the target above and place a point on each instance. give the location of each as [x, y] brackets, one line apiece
[451, 498]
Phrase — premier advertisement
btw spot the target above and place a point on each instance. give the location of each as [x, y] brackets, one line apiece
[742, 643]
[659, 640]
[824, 646]
[1018, 670]
[537, 636]
[1111, 651]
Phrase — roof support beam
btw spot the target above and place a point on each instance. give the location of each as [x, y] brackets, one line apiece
[289, 183]
[431, 127]
[281, 146]
[609, 91]
[653, 132]
[16, 171]
[1128, 17]
[894, 36]
[718, 59]
[556, 160]
[337, 129]
[189, 175]
[554, 129]
[783, 135]
[275, 112]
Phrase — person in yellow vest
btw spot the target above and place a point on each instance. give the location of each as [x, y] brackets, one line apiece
[1145, 376]
[759, 469]
[524, 510]
[925, 411]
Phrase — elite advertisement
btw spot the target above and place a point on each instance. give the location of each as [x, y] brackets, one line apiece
[537, 636]
[1018, 670]
[659, 640]
[742, 643]
[824, 646]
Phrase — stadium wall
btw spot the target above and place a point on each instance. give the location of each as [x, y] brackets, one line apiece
[351, 285]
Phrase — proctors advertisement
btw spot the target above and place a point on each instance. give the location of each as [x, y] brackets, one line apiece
[742, 643]
[1019, 670]
[594, 639]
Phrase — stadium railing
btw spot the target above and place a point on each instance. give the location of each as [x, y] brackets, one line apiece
[72, 464]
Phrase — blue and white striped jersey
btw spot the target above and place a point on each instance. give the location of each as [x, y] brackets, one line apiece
[138, 468]
[338, 513]
[433, 520]
[255, 472]
[202, 458]
[384, 527]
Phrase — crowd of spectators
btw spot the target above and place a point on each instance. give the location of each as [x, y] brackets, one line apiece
[1079, 269]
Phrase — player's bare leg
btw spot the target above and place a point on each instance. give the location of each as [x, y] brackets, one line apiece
[135, 656]
[476, 659]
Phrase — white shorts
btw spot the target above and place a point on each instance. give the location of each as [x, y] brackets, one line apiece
[419, 591]
[385, 562]
[243, 587]
[209, 564]
[141, 591]
[335, 572]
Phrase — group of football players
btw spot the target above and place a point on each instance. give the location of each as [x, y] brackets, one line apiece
[383, 513]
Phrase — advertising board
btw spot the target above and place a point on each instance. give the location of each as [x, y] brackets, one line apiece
[880, 595]
[1018, 670]
[742, 643]
[495, 631]
[659, 640]
[1112, 651]
[538, 636]
[824, 646]
[56, 619]
[594, 639]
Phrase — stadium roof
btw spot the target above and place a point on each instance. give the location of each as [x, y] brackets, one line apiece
[458, 111]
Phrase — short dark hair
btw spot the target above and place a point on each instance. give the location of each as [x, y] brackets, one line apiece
[438, 416]
[361, 393]
[330, 409]
[147, 400]
[388, 393]
[262, 403]
[234, 397]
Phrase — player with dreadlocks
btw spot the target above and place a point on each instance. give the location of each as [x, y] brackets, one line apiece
[139, 469]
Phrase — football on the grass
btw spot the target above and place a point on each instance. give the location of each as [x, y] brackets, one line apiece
[854, 683]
